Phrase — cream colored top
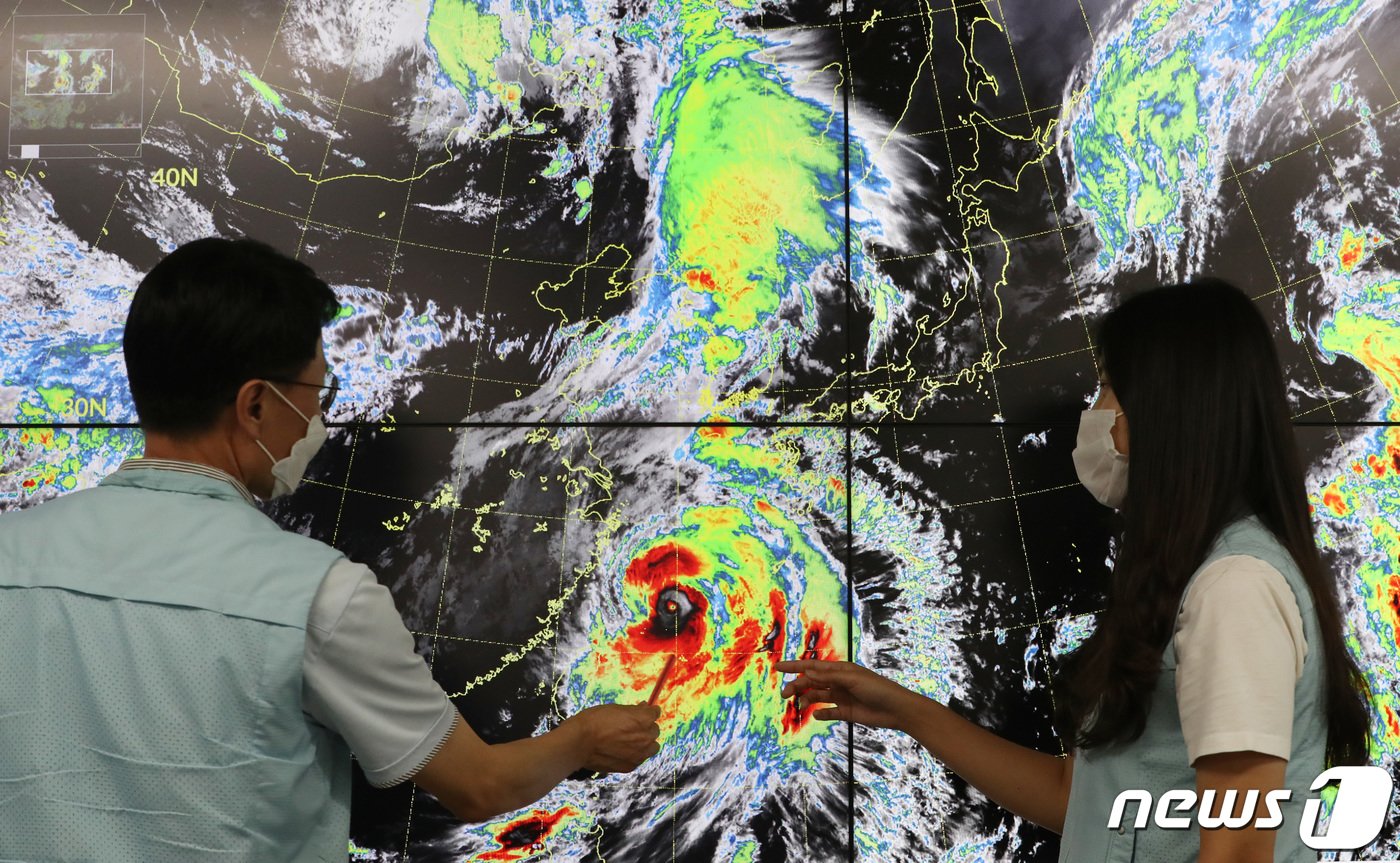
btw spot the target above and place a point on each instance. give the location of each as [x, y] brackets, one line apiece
[1240, 649]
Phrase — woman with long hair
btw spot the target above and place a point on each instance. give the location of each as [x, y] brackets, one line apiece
[1219, 663]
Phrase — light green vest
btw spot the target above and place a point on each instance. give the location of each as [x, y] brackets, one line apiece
[1157, 762]
[152, 632]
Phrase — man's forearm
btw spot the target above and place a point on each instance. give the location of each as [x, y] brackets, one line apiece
[523, 771]
[476, 781]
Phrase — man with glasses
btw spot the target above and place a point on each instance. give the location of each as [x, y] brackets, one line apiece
[185, 681]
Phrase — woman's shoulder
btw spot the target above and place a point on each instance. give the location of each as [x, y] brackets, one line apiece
[1241, 593]
[1248, 535]
[1235, 578]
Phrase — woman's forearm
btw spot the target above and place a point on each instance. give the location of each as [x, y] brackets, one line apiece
[1031, 784]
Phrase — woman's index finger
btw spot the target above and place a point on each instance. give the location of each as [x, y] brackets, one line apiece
[807, 666]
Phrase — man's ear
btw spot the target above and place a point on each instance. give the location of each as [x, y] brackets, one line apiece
[248, 407]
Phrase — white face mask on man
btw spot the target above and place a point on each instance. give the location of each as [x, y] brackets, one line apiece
[287, 472]
[1100, 466]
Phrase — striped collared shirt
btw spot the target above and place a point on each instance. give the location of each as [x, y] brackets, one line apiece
[190, 467]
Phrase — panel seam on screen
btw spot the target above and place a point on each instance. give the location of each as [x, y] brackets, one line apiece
[849, 418]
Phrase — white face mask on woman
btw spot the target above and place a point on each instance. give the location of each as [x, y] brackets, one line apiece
[1100, 466]
[287, 472]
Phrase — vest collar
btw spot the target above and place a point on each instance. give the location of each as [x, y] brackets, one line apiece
[179, 476]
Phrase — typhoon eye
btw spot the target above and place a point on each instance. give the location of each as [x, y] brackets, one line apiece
[672, 613]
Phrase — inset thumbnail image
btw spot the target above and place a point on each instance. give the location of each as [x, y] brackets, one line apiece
[77, 86]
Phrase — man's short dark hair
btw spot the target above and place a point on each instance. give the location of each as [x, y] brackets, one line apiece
[212, 315]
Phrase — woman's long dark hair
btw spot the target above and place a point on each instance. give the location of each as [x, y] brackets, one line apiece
[1196, 373]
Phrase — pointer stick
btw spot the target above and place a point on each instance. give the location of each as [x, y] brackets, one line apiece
[583, 773]
[661, 681]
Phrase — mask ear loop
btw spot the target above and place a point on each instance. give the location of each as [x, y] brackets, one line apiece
[289, 404]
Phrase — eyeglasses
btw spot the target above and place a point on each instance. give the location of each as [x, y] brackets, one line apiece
[327, 389]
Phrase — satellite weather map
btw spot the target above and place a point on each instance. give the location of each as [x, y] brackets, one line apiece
[696, 334]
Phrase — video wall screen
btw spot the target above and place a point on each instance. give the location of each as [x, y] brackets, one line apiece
[794, 300]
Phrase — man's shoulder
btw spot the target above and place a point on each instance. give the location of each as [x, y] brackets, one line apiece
[27, 513]
[122, 516]
[343, 581]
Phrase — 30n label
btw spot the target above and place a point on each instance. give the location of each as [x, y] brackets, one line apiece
[175, 176]
[84, 408]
